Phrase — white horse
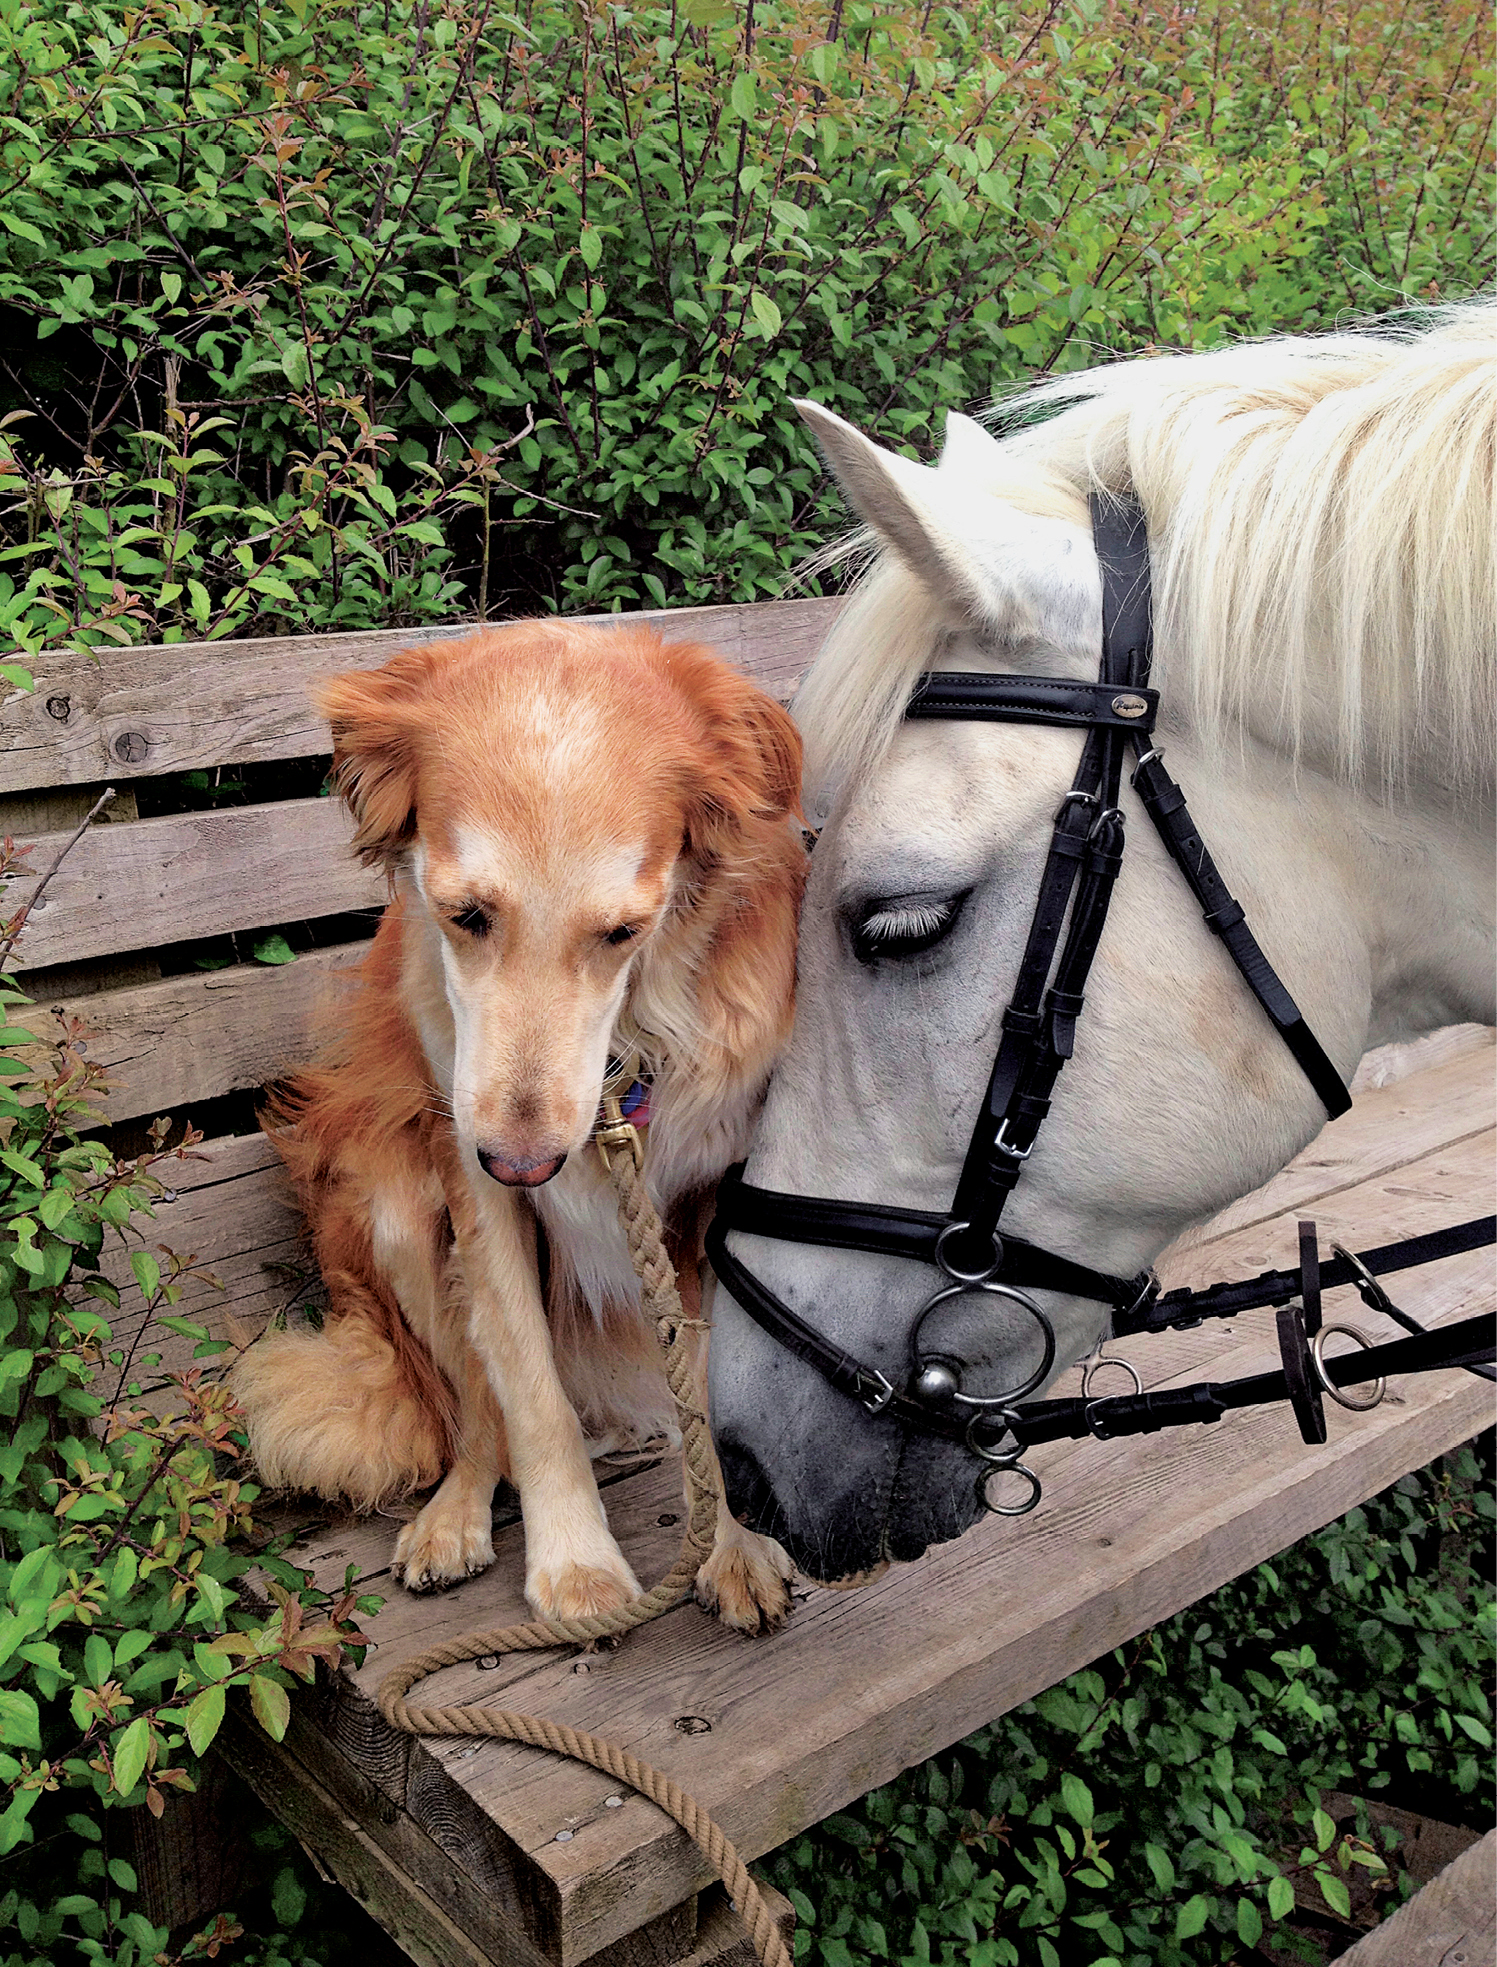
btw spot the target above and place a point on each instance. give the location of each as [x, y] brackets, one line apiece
[1320, 518]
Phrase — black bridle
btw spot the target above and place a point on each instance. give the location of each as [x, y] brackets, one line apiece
[1038, 1035]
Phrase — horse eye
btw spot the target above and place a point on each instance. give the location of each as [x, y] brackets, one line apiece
[471, 920]
[903, 926]
[624, 933]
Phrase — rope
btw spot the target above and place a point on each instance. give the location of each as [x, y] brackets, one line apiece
[657, 1281]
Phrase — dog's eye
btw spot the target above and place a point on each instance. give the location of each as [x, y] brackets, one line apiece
[624, 933]
[903, 925]
[471, 920]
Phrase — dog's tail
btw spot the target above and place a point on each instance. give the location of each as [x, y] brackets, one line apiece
[346, 1412]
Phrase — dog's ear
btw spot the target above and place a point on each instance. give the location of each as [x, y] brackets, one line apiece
[750, 755]
[374, 756]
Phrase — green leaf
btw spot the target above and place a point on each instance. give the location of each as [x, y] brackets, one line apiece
[1334, 1891]
[147, 1273]
[1159, 1863]
[17, 675]
[272, 949]
[204, 1717]
[19, 1721]
[1249, 1923]
[1077, 1799]
[765, 313]
[1192, 1917]
[744, 96]
[98, 1659]
[130, 1755]
[1280, 1898]
[24, 1166]
[271, 1704]
[590, 245]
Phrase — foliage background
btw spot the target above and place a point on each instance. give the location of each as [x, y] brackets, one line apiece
[372, 312]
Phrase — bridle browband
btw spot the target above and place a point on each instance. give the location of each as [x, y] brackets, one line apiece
[1038, 1030]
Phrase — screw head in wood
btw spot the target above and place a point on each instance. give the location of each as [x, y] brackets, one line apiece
[130, 747]
[60, 707]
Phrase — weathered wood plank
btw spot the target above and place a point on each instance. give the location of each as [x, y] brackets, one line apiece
[190, 1038]
[232, 1213]
[1451, 1923]
[169, 708]
[171, 880]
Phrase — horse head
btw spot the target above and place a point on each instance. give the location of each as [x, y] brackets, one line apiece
[1319, 517]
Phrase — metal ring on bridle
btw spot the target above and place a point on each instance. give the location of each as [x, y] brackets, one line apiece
[1317, 1354]
[967, 1276]
[1040, 1373]
[1098, 1365]
[1030, 1502]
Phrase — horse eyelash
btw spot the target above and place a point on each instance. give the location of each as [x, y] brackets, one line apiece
[906, 923]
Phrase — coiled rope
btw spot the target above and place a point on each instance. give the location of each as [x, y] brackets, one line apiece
[657, 1280]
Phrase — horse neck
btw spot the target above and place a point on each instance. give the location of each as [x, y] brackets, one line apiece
[1412, 874]
[1428, 888]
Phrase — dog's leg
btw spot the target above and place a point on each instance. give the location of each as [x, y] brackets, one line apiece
[746, 1578]
[573, 1567]
[452, 1537]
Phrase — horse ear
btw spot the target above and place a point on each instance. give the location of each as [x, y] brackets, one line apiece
[968, 447]
[374, 748]
[1006, 574]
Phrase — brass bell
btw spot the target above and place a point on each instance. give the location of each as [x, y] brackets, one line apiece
[936, 1381]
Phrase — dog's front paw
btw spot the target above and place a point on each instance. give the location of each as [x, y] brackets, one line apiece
[565, 1590]
[746, 1581]
[452, 1538]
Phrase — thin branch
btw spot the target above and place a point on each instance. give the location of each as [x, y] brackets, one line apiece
[89, 817]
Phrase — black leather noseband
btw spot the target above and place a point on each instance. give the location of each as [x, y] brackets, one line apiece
[1038, 1030]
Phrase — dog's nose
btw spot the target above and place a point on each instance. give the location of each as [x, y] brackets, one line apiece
[519, 1173]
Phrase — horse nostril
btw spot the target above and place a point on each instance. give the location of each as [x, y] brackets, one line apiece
[520, 1173]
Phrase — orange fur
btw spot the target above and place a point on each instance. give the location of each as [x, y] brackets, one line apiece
[536, 792]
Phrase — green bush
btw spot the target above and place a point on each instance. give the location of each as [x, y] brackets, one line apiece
[359, 312]
[124, 1531]
[1160, 1808]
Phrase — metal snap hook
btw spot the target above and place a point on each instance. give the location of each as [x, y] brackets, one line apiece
[1339, 1394]
[918, 1360]
[967, 1276]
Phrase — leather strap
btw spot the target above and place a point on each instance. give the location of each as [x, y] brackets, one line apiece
[1165, 805]
[1180, 1310]
[912, 1233]
[1466, 1343]
[961, 695]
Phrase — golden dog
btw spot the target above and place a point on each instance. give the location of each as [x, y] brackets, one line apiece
[586, 832]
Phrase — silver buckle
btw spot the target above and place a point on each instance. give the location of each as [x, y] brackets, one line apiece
[1004, 1146]
[879, 1400]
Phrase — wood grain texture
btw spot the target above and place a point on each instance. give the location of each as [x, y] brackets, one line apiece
[199, 704]
[1452, 1922]
[170, 880]
[1129, 1532]
[185, 1039]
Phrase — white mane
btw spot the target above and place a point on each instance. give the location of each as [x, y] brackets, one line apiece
[1320, 517]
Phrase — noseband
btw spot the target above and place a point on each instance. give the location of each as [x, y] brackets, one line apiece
[1117, 714]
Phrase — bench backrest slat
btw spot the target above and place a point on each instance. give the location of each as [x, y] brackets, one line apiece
[187, 706]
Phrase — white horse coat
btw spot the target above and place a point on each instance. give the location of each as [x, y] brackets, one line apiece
[1320, 519]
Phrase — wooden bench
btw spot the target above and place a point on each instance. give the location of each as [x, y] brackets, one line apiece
[472, 1853]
